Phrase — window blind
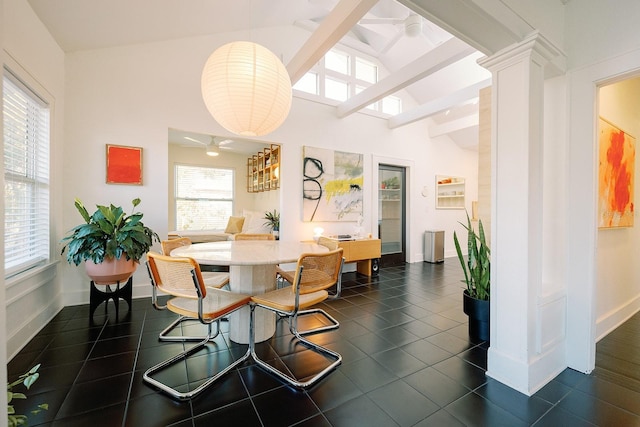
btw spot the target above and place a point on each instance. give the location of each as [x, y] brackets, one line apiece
[204, 197]
[26, 177]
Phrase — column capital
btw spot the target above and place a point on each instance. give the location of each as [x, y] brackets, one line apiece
[535, 46]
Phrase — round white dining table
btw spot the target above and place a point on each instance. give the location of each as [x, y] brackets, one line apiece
[252, 271]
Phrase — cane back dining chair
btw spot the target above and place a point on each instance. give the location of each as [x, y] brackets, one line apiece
[182, 279]
[315, 272]
[333, 291]
[211, 279]
[254, 236]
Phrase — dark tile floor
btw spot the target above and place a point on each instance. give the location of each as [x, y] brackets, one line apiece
[407, 361]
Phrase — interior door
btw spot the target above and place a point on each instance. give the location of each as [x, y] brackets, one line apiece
[392, 213]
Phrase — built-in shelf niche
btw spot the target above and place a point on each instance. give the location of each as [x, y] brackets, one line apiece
[263, 170]
[449, 192]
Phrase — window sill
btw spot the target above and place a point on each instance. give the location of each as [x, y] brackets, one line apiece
[32, 272]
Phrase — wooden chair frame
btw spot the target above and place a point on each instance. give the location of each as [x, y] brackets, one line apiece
[254, 236]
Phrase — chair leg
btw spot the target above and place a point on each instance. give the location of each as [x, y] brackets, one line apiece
[334, 324]
[329, 354]
[147, 376]
[164, 335]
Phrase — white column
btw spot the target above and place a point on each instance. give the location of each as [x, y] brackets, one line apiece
[516, 220]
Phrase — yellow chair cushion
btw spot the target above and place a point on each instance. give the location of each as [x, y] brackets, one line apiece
[234, 225]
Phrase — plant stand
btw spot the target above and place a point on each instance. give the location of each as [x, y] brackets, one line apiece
[97, 296]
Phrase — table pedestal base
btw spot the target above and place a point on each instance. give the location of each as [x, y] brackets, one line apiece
[252, 280]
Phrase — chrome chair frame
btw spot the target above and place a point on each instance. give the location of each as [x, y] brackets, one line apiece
[285, 276]
[307, 299]
[221, 282]
[201, 292]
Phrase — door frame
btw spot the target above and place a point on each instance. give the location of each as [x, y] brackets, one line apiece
[409, 166]
[396, 257]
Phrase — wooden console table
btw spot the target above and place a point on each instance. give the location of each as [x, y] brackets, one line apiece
[366, 252]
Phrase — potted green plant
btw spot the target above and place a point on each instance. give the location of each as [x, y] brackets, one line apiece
[273, 221]
[477, 277]
[27, 379]
[110, 242]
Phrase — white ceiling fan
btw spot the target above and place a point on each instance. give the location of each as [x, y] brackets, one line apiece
[214, 145]
[410, 26]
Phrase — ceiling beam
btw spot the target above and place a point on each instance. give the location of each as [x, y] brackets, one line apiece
[453, 126]
[466, 20]
[348, 41]
[436, 59]
[334, 26]
[438, 105]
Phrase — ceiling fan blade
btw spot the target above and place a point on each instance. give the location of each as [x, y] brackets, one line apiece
[388, 21]
[194, 140]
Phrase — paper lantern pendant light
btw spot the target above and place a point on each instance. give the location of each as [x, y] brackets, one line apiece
[246, 88]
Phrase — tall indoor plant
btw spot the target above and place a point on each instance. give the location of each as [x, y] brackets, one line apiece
[110, 241]
[477, 277]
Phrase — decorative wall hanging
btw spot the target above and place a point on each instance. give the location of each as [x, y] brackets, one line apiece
[124, 165]
[616, 177]
[332, 185]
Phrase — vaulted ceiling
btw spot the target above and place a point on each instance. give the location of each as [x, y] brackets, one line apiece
[438, 71]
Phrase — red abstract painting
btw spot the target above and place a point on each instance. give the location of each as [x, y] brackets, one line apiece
[616, 177]
[124, 165]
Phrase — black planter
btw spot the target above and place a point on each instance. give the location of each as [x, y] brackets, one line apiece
[478, 312]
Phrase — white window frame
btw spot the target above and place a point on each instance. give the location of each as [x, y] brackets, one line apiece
[28, 130]
[177, 198]
[354, 85]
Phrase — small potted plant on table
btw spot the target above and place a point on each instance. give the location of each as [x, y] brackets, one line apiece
[273, 221]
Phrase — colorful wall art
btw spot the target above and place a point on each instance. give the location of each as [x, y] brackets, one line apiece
[124, 165]
[332, 185]
[615, 177]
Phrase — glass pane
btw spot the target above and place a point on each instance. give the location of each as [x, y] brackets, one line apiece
[390, 196]
[26, 180]
[366, 71]
[391, 105]
[308, 83]
[335, 89]
[204, 197]
[337, 61]
[202, 214]
[202, 182]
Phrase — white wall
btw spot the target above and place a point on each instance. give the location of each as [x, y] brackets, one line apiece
[605, 52]
[599, 29]
[34, 298]
[618, 272]
[261, 202]
[132, 95]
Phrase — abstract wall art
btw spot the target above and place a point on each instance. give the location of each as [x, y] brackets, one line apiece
[124, 165]
[332, 185]
[616, 176]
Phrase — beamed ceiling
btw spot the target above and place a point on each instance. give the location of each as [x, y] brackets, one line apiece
[438, 71]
